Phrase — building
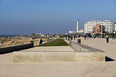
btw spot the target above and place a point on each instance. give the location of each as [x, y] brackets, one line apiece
[77, 25]
[115, 26]
[98, 29]
[71, 32]
[108, 25]
[81, 31]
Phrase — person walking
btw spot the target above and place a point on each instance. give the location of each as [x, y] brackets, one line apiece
[94, 36]
[107, 38]
[40, 42]
[84, 37]
[74, 37]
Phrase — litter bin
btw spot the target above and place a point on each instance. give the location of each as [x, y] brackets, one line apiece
[79, 41]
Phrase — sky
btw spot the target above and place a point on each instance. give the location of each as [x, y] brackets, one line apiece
[22, 17]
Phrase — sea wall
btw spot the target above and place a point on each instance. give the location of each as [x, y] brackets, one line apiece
[15, 48]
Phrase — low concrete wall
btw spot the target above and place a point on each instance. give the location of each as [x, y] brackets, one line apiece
[15, 48]
[81, 53]
[85, 53]
[89, 56]
[43, 56]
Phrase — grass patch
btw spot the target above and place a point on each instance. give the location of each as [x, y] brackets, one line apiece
[57, 42]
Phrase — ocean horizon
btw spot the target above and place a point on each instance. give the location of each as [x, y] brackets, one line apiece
[10, 35]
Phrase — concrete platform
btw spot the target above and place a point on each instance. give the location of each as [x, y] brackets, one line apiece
[58, 54]
[45, 54]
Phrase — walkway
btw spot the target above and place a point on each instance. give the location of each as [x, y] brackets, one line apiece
[65, 69]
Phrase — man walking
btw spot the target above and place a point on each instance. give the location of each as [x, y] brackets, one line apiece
[84, 37]
[40, 42]
[107, 38]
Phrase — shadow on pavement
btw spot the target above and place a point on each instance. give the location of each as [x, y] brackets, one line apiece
[109, 59]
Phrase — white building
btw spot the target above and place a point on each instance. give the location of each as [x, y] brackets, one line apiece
[70, 32]
[81, 31]
[115, 26]
[109, 26]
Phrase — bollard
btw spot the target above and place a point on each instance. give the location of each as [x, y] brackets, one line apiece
[79, 41]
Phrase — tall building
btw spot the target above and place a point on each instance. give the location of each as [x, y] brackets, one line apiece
[115, 26]
[108, 25]
[77, 25]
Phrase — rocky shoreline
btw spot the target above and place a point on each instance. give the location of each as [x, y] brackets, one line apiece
[19, 40]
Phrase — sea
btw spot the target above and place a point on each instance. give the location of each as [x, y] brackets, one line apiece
[10, 35]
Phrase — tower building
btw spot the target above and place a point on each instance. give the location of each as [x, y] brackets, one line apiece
[77, 25]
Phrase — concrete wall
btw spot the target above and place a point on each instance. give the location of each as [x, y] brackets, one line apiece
[43, 56]
[89, 56]
[81, 53]
[15, 48]
[58, 56]
[85, 53]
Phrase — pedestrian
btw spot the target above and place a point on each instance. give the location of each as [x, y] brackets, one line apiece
[40, 42]
[74, 37]
[84, 37]
[94, 36]
[98, 36]
[107, 38]
[71, 38]
[68, 38]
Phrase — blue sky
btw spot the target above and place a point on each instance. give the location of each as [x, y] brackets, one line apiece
[52, 16]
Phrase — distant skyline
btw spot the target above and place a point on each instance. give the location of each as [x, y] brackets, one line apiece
[22, 17]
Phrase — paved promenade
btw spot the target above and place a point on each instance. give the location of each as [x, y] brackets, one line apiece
[63, 69]
[96, 69]
[100, 43]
